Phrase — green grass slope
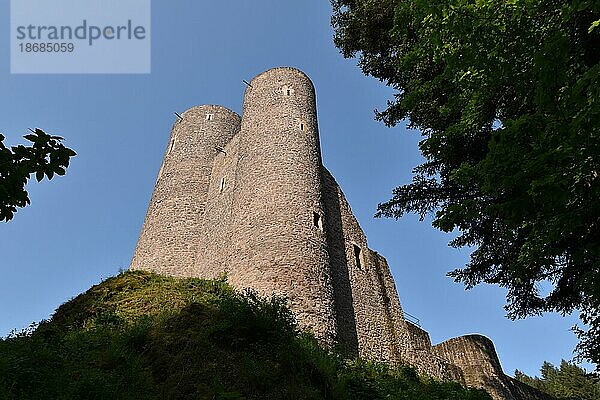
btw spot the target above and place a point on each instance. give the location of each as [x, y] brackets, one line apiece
[145, 336]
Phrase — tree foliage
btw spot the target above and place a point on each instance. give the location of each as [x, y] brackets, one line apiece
[46, 157]
[506, 95]
[567, 382]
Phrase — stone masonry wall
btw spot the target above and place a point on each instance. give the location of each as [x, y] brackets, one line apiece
[394, 316]
[168, 242]
[218, 225]
[368, 311]
[419, 337]
[364, 299]
[426, 360]
[345, 315]
[477, 358]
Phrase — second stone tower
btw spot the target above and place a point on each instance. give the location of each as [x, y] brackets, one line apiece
[279, 238]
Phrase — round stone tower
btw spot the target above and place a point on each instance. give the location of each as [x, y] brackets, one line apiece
[476, 356]
[169, 239]
[278, 243]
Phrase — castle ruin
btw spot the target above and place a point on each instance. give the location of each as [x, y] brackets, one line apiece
[250, 196]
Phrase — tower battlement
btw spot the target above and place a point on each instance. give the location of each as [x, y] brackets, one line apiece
[250, 196]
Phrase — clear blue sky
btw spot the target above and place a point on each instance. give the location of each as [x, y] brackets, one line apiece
[83, 227]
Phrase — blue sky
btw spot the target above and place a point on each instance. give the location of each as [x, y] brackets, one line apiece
[83, 227]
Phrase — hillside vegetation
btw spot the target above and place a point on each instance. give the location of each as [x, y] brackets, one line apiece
[145, 336]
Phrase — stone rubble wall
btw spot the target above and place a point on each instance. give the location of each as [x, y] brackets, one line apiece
[218, 225]
[476, 356]
[367, 325]
[425, 360]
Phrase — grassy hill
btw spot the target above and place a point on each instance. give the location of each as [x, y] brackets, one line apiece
[145, 336]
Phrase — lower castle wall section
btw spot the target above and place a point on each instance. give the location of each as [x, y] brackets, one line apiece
[476, 356]
[396, 323]
[347, 337]
[419, 338]
[425, 360]
[364, 292]
[368, 310]
[522, 391]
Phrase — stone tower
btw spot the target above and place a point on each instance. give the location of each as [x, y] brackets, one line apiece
[168, 242]
[266, 194]
[250, 197]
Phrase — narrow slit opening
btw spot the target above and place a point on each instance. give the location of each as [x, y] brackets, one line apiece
[357, 256]
[317, 221]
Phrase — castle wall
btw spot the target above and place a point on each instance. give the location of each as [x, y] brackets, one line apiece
[278, 245]
[370, 321]
[218, 224]
[422, 356]
[395, 322]
[523, 391]
[476, 356]
[419, 337]
[368, 310]
[169, 238]
[347, 335]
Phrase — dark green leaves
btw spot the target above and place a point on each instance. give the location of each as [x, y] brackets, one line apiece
[507, 97]
[45, 157]
[566, 382]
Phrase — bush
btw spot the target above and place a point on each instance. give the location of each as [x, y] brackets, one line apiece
[144, 336]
